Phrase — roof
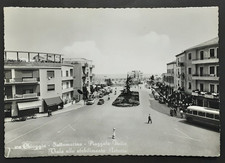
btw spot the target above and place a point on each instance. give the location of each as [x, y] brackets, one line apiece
[173, 62]
[203, 109]
[211, 42]
[180, 54]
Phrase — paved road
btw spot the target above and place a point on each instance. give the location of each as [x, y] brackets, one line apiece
[88, 131]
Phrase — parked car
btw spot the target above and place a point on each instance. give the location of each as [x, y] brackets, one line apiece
[100, 95]
[101, 101]
[90, 101]
[161, 100]
[156, 96]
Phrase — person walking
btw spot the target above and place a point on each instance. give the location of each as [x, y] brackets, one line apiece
[149, 119]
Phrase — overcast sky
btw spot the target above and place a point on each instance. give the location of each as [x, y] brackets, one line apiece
[117, 40]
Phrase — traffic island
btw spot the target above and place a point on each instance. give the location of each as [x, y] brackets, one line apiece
[127, 99]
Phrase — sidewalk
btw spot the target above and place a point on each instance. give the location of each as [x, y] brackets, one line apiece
[67, 107]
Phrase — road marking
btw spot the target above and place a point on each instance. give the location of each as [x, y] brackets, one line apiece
[30, 131]
[62, 129]
[8, 153]
[18, 128]
[187, 136]
[72, 128]
[69, 125]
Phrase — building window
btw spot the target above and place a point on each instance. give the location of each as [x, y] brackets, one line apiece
[67, 73]
[71, 72]
[212, 88]
[211, 70]
[189, 85]
[201, 55]
[67, 84]
[212, 53]
[189, 56]
[50, 74]
[27, 74]
[217, 51]
[218, 89]
[201, 87]
[217, 71]
[51, 87]
[189, 70]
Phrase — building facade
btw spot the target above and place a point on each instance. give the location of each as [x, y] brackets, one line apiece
[67, 74]
[170, 77]
[30, 84]
[83, 75]
[197, 73]
[205, 73]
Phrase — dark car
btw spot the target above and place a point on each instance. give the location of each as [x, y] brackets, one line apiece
[90, 101]
[100, 95]
[161, 100]
[100, 101]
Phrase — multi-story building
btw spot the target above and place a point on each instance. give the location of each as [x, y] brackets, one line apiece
[83, 74]
[169, 77]
[67, 83]
[30, 84]
[180, 71]
[197, 71]
[205, 73]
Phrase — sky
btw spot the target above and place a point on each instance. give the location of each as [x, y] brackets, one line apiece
[116, 40]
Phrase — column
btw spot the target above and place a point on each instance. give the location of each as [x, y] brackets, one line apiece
[13, 86]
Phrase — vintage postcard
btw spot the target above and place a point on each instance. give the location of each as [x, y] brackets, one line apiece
[131, 81]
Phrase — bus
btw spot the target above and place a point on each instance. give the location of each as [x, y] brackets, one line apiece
[203, 115]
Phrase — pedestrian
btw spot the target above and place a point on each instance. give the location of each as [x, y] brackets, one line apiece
[181, 113]
[149, 119]
[114, 133]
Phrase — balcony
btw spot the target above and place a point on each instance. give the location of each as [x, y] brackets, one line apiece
[22, 81]
[21, 96]
[67, 90]
[67, 78]
[212, 96]
[206, 60]
[206, 94]
[180, 64]
[205, 77]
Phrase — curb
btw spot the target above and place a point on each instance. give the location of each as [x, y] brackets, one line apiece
[65, 109]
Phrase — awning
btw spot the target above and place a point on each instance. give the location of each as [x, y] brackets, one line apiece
[29, 105]
[53, 101]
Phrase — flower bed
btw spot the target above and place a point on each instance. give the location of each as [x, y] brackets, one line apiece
[127, 100]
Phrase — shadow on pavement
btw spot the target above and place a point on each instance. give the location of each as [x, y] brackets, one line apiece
[200, 125]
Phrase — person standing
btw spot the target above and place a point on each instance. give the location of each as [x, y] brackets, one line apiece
[149, 119]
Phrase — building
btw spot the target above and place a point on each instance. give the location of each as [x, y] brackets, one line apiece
[204, 83]
[29, 84]
[197, 73]
[180, 72]
[83, 75]
[170, 77]
[67, 73]
[136, 75]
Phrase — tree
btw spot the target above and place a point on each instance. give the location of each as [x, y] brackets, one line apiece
[108, 82]
[128, 84]
[152, 78]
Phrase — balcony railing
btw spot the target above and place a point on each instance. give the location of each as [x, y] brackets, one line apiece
[205, 77]
[205, 60]
[21, 80]
[21, 96]
[180, 64]
[206, 94]
[67, 78]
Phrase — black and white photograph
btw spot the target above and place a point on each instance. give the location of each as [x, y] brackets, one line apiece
[111, 82]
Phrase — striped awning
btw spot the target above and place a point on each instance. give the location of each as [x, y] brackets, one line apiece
[29, 105]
